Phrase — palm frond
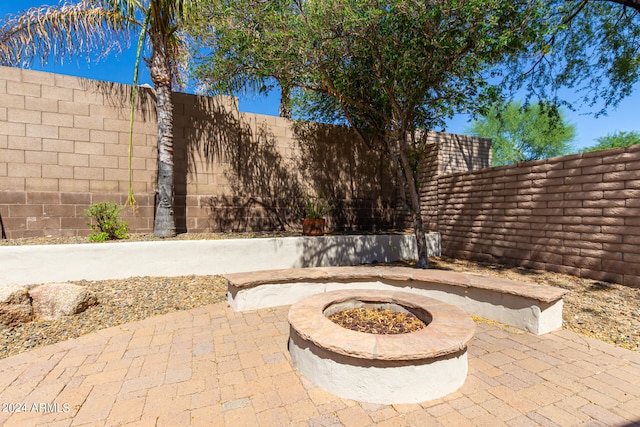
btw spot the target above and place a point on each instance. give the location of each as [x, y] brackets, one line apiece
[126, 7]
[131, 200]
[86, 27]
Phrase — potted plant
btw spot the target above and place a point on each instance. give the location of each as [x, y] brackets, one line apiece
[315, 208]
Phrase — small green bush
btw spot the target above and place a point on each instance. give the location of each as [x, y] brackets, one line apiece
[315, 207]
[105, 222]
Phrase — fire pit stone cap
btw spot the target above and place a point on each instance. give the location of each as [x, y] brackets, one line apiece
[448, 332]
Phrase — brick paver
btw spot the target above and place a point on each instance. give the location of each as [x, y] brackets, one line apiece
[213, 366]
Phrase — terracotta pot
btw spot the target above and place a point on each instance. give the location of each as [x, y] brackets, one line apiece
[313, 227]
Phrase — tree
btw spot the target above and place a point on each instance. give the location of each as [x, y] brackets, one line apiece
[392, 70]
[590, 47]
[92, 27]
[615, 140]
[522, 133]
[635, 4]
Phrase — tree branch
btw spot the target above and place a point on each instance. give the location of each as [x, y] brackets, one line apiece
[634, 4]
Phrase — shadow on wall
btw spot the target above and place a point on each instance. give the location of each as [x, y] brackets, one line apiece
[349, 250]
[266, 177]
[4, 234]
[463, 153]
[247, 178]
[359, 181]
[458, 217]
[261, 186]
[118, 96]
[257, 183]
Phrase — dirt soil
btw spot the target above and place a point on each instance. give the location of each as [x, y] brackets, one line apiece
[605, 311]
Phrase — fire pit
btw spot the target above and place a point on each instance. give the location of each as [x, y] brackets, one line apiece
[381, 368]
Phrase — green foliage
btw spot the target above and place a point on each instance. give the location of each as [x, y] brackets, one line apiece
[392, 70]
[393, 67]
[522, 133]
[315, 207]
[106, 224]
[590, 47]
[615, 140]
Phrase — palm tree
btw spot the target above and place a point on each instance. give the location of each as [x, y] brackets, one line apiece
[92, 27]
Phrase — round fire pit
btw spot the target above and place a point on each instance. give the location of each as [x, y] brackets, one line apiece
[401, 368]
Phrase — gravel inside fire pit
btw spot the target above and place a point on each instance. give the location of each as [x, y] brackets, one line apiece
[381, 321]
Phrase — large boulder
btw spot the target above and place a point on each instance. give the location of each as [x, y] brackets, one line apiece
[55, 300]
[15, 305]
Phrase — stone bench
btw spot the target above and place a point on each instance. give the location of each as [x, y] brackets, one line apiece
[535, 308]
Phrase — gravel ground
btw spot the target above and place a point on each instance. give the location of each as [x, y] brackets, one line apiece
[605, 311]
[120, 301]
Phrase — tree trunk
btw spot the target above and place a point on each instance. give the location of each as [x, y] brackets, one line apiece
[285, 101]
[164, 224]
[415, 208]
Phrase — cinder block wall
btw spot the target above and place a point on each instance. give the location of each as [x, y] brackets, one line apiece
[447, 154]
[578, 214]
[64, 144]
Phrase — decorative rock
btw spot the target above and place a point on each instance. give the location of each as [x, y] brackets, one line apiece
[55, 300]
[15, 305]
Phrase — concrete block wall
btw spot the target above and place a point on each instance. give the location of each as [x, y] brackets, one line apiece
[446, 154]
[64, 144]
[461, 153]
[61, 135]
[577, 214]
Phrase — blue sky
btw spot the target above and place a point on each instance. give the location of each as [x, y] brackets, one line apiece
[119, 68]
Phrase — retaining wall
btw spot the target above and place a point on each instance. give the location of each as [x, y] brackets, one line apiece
[33, 264]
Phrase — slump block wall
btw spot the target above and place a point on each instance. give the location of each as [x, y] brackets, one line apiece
[577, 214]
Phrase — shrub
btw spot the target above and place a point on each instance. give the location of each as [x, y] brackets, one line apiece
[105, 222]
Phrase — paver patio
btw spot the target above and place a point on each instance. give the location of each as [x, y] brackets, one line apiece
[212, 366]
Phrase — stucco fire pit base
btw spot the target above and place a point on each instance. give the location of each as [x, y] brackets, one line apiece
[386, 369]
